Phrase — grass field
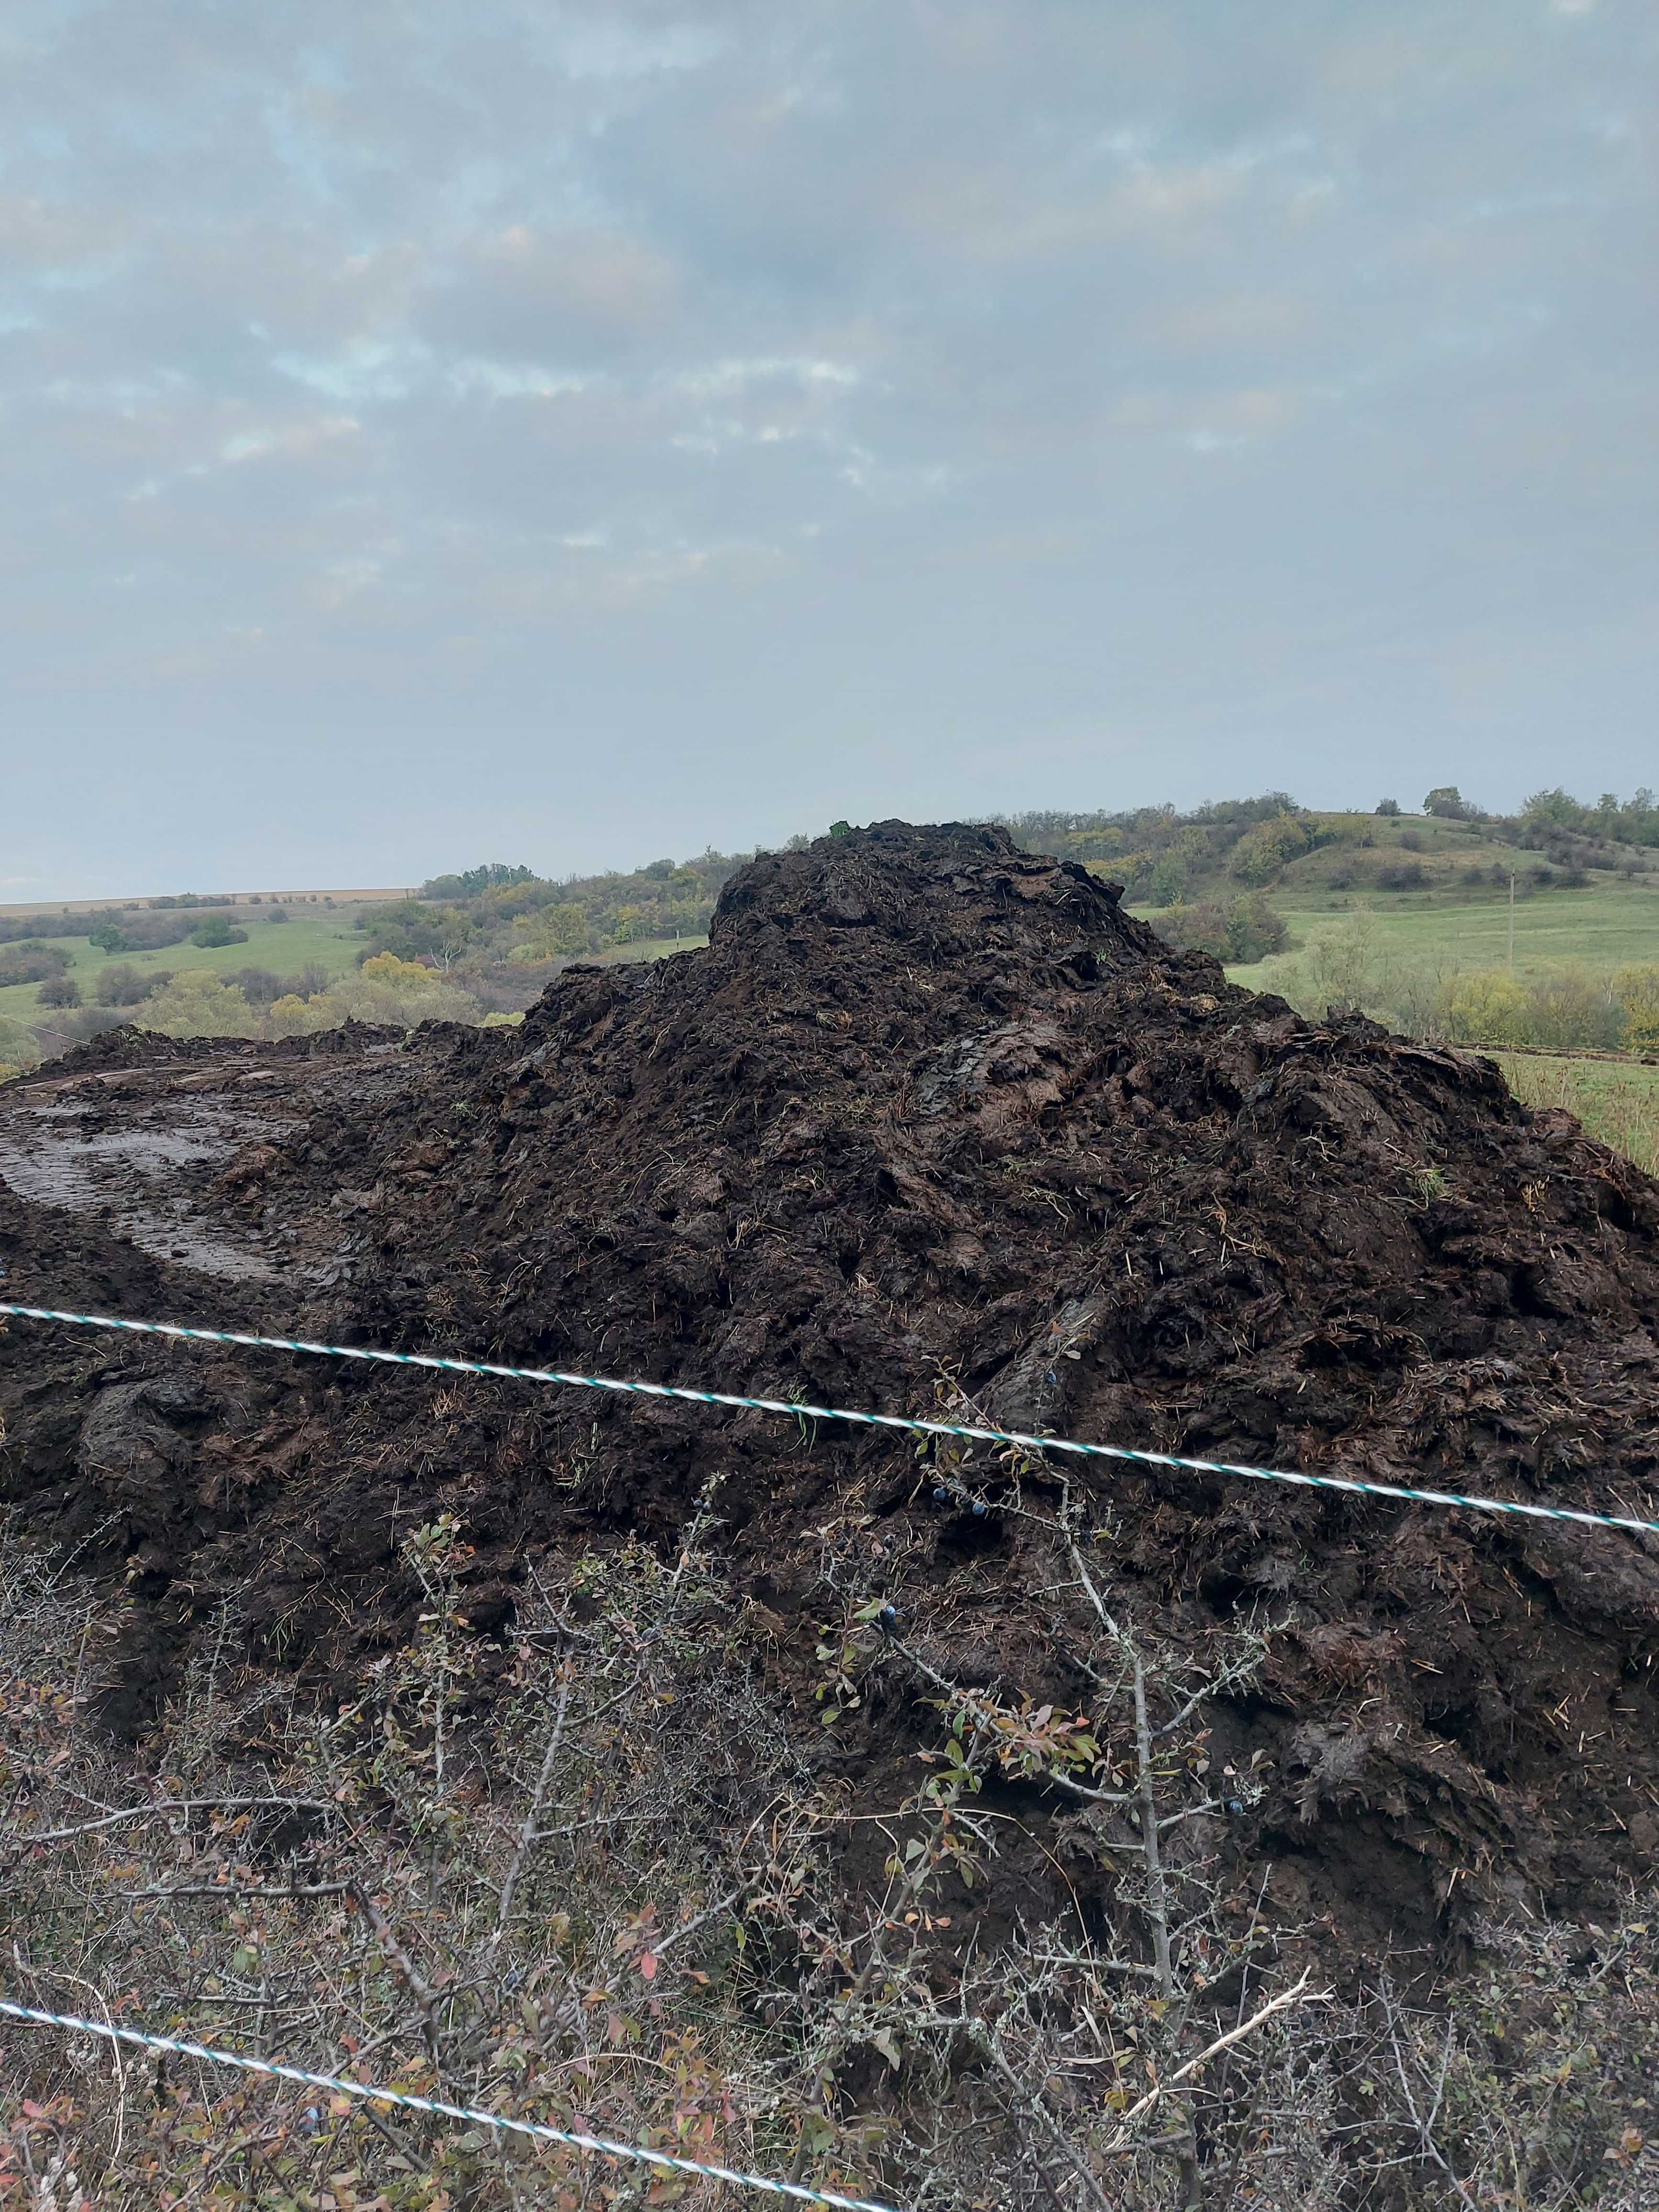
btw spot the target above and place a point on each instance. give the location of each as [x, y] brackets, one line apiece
[1610, 924]
[1617, 1101]
[325, 940]
[646, 948]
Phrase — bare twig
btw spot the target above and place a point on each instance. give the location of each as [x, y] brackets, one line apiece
[62, 1974]
[1034, 2108]
[529, 1832]
[690, 1927]
[1298, 1993]
[412, 1979]
[26, 1841]
[1425, 2125]
[241, 1889]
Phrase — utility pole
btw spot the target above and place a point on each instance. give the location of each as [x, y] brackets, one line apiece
[1511, 922]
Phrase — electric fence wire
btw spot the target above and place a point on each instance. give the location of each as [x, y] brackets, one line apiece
[801, 1410]
[373, 2092]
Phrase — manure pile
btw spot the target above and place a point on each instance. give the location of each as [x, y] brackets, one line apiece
[931, 1122]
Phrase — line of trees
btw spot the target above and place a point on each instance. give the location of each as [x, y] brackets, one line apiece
[1163, 856]
[499, 931]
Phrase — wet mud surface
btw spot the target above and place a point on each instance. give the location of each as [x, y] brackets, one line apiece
[140, 1148]
[930, 1113]
[143, 1181]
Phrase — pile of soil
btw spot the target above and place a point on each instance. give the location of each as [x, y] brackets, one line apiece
[930, 1113]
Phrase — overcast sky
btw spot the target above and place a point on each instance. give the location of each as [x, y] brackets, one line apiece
[439, 432]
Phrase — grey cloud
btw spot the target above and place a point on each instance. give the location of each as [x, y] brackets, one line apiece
[578, 296]
[707, 414]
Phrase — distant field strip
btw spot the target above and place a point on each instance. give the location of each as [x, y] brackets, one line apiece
[1603, 927]
[310, 939]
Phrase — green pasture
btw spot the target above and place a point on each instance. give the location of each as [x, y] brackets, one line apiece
[1608, 925]
[324, 940]
[1617, 1100]
[645, 948]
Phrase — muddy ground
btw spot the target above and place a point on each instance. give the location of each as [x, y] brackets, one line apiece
[929, 1113]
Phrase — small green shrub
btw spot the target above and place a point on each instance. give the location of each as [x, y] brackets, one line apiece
[1264, 852]
[19, 1048]
[216, 931]
[197, 1003]
[1239, 931]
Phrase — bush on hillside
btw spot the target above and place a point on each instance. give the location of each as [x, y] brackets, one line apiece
[32, 962]
[393, 973]
[637, 925]
[137, 932]
[1488, 1007]
[1570, 1006]
[507, 902]
[1238, 930]
[59, 990]
[1636, 993]
[1167, 882]
[552, 932]
[1563, 1008]
[32, 927]
[1566, 1009]
[411, 930]
[1634, 820]
[197, 1003]
[216, 931]
[1409, 875]
[399, 993]
[20, 1049]
[294, 1016]
[147, 933]
[368, 996]
[1264, 852]
[257, 985]
[495, 914]
[493, 875]
[126, 986]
